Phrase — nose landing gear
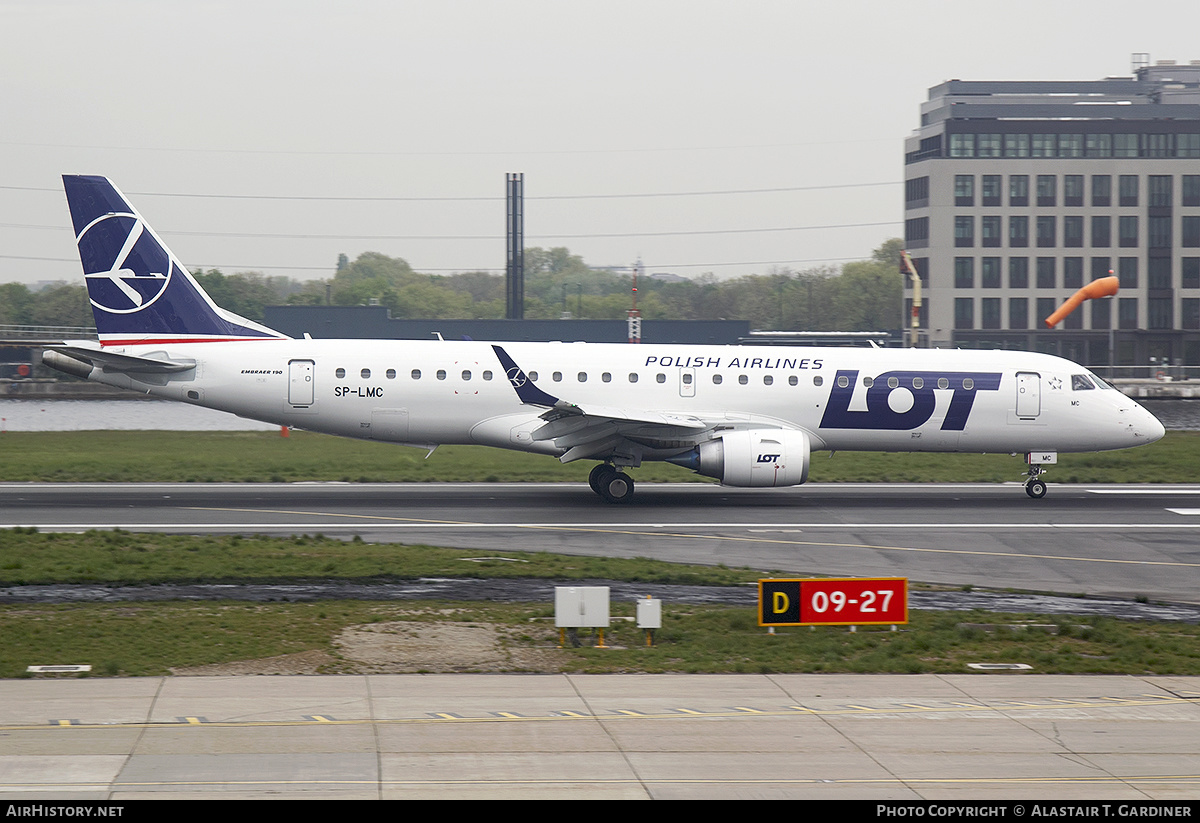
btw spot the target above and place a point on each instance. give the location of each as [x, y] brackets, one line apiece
[613, 485]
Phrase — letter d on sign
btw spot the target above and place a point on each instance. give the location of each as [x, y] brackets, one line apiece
[779, 602]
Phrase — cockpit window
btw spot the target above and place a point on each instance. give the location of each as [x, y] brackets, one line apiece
[1081, 382]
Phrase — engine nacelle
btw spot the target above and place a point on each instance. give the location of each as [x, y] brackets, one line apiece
[758, 457]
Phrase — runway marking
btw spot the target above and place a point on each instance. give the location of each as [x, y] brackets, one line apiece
[1184, 511]
[1101, 704]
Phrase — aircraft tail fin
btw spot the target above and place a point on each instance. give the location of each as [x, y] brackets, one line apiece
[140, 292]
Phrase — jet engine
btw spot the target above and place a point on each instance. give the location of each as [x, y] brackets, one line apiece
[758, 457]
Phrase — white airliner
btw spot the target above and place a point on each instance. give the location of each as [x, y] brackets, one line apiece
[748, 416]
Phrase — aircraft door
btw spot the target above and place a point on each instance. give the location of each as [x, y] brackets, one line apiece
[301, 382]
[1029, 394]
[687, 382]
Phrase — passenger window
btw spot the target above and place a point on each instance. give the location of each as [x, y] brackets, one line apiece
[487, 375]
[556, 377]
[391, 374]
[968, 383]
[582, 377]
[893, 382]
[717, 379]
[606, 377]
[687, 379]
[340, 373]
[1080, 382]
[818, 380]
[743, 379]
[416, 374]
[365, 373]
[660, 377]
[843, 381]
[943, 383]
[868, 382]
[793, 380]
[918, 382]
[441, 374]
[632, 377]
[533, 376]
[466, 375]
[768, 379]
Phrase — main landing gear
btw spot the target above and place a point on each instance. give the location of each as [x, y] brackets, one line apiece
[613, 485]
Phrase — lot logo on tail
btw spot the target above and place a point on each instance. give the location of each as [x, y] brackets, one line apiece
[126, 268]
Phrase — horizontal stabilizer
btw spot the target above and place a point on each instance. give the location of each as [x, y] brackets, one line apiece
[111, 361]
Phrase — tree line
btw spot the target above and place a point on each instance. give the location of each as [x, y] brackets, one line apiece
[863, 295]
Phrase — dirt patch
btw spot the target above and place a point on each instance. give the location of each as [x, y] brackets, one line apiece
[405, 647]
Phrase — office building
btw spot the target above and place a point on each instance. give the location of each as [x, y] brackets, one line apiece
[1019, 192]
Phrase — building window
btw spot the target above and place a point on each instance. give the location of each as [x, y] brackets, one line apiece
[1160, 232]
[1073, 232]
[1160, 190]
[1127, 313]
[988, 145]
[964, 313]
[962, 145]
[989, 191]
[1191, 189]
[1190, 273]
[1018, 272]
[1158, 273]
[964, 273]
[964, 231]
[1158, 145]
[1043, 145]
[1127, 231]
[1101, 231]
[964, 190]
[989, 313]
[1073, 190]
[1101, 267]
[1045, 273]
[1188, 145]
[1101, 314]
[1045, 307]
[916, 231]
[1125, 145]
[1127, 190]
[1016, 145]
[990, 230]
[989, 273]
[1070, 145]
[1072, 272]
[1101, 190]
[1047, 186]
[1127, 272]
[1018, 312]
[1018, 232]
[1159, 312]
[1018, 190]
[1045, 233]
[1099, 145]
[1190, 307]
[916, 190]
[1189, 232]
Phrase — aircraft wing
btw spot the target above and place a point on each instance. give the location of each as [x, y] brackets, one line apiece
[112, 361]
[594, 431]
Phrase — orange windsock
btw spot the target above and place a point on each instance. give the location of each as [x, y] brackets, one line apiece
[1104, 287]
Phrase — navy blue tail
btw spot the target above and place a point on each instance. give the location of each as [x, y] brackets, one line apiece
[139, 292]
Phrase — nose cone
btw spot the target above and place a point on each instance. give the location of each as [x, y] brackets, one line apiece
[1149, 428]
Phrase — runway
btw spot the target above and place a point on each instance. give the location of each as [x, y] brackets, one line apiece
[1112, 541]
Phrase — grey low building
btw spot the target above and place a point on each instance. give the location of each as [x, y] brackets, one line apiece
[1017, 193]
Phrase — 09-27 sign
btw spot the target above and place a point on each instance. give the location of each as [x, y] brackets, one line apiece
[830, 601]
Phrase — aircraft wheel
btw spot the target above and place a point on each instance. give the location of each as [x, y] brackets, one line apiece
[617, 488]
[1036, 489]
[596, 477]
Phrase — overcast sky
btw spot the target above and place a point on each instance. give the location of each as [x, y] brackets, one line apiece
[253, 134]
